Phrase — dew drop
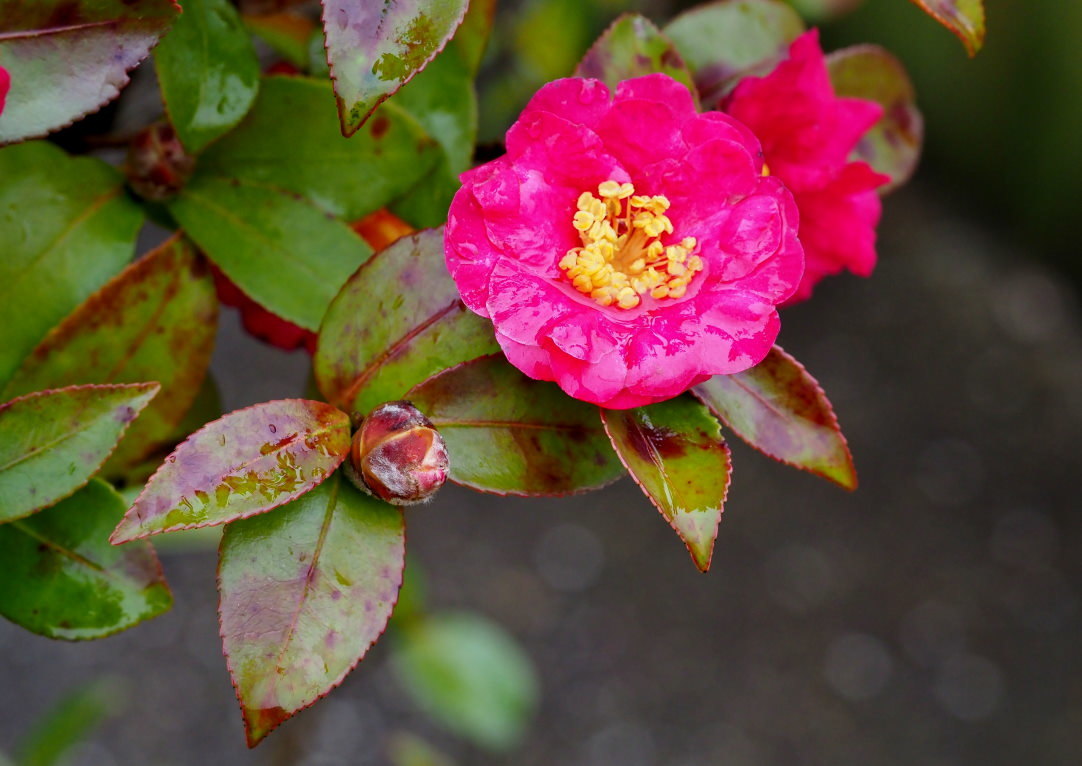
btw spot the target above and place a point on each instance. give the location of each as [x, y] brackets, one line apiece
[273, 429]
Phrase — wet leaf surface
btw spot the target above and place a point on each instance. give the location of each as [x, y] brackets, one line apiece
[780, 410]
[70, 58]
[511, 435]
[208, 72]
[244, 463]
[286, 254]
[52, 442]
[66, 226]
[154, 321]
[676, 453]
[62, 579]
[893, 145]
[375, 48]
[729, 39]
[965, 18]
[395, 323]
[305, 591]
[633, 47]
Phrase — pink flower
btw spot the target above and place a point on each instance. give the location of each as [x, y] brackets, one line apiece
[5, 85]
[627, 248]
[807, 134]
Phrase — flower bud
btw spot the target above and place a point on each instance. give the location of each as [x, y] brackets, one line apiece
[397, 455]
[157, 166]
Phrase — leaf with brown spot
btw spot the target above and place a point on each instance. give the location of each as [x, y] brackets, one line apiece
[676, 453]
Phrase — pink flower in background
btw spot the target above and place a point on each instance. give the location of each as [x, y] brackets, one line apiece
[625, 247]
[5, 85]
[807, 135]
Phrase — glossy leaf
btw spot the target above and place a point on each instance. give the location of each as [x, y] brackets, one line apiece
[62, 579]
[395, 323]
[893, 145]
[154, 321]
[511, 435]
[208, 72]
[66, 226]
[375, 48]
[676, 453]
[779, 409]
[965, 18]
[52, 442]
[725, 40]
[305, 591]
[470, 676]
[347, 177]
[244, 463]
[286, 33]
[286, 254]
[633, 47]
[69, 59]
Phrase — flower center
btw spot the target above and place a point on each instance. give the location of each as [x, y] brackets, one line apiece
[622, 256]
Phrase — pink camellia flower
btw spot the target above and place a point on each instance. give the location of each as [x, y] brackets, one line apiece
[625, 247]
[5, 85]
[807, 134]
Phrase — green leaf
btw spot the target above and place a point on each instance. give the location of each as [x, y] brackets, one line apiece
[824, 10]
[154, 321]
[473, 34]
[71, 58]
[677, 455]
[66, 227]
[242, 464]
[285, 253]
[305, 591]
[290, 139]
[727, 40]
[286, 33]
[68, 723]
[508, 434]
[893, 145]
[965, 18]
[405, 749]
[633, 47]
[208, 72]
[470, 676]
[375, 48]
[62, 579]
[780, 410]
[395, 323]
[52, 442]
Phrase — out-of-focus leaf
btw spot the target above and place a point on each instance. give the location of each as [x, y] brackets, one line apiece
[633, 47]
[68, 723]
[377, 342]
[780, 410]
[62, 579]
[245, 463]
[469, 675]
[282, 251]
[286, 33]
[208, 72]
[965, 18]
[729, 39]
[824, 10]
[290, 139]
[473, 34]
[893, 145]
[511, 435]
[675, 451]
[405, 749]
[154, 321]
[305, 591]
[66, 227]
[70, 58]
[52, 442]
[374, 49]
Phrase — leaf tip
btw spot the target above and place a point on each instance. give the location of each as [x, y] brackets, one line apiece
[259, 722]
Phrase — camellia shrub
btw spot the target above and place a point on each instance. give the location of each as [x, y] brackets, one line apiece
[600, 298]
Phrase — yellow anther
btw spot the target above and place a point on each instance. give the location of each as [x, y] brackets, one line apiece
[766, 169]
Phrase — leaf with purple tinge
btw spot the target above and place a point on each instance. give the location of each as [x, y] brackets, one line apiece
[305, 591]
[633, 47]
[154, 321]
[780, 410]
[68, 59]
[676, 453]
[52, 442]
[511, 435]
[396, 322]
[893, 145]
[375, 48]
[242, 464]
[965, 18]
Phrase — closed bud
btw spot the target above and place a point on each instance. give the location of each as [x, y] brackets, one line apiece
[157, 166]
[397, 455]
